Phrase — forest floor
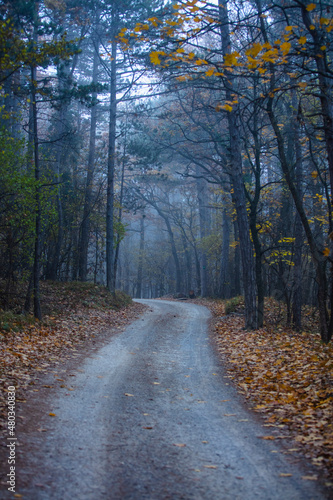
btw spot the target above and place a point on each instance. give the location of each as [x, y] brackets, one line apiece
[77, 318]
[285, 376]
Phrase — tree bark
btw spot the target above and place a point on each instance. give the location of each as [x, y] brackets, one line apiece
[297, 292]
[37, 252]
[224, 282]
[110, 277]
[202, 193]
[236, 175]
[85, 226]
[141, 254]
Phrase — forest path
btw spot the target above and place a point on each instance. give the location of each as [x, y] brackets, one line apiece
[152, 416]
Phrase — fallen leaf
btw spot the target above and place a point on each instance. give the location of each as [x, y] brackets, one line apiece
[310, 478]
[180, 445]
[129, 395]
[52, 414]
[285, 474]
[210, 466]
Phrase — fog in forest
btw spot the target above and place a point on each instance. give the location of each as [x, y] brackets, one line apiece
[168, 149]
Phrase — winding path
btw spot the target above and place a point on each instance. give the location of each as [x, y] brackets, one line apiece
[152, 416]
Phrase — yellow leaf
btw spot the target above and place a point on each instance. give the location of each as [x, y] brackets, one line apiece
[270, 55]
[312, 27]
[324, 20]
[284, 474]
[254, 50]
[323, 47]
[227, 107]
[326, 252]
[199, 62]
[311, 7]
[303, 85]
[127, 394]
[302, 40]
[285, 47]
[314, 174]
[153, 20]
[268, 438]
[52, 414]
[231, 59]
[210, 72]
[154, 58]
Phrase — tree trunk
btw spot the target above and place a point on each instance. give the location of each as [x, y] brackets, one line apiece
[85, 226]
[297, 292]
[202, 193]
[141, 255]
[224, 284]
[37, 252]
[236, 174]
[120, 212]
[325, 87]
[110, 277]
[179, 287]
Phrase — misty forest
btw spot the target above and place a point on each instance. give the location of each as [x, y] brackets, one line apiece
[168, 148]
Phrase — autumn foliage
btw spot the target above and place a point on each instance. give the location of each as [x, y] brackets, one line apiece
[285, 376]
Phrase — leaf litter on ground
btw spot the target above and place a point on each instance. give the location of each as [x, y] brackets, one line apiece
[76, 315]
[285, 376]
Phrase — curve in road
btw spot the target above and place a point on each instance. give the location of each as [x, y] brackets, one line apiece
[152, 416]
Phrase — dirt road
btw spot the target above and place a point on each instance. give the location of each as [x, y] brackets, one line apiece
[152, 416]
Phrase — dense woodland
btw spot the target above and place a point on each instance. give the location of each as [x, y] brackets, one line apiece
[162, 148]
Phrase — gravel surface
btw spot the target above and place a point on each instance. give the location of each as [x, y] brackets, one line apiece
[152, 416]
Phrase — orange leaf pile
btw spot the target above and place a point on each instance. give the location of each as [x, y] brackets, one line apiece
[287, 377]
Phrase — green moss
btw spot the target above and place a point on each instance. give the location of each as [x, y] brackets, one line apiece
[233, 304]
